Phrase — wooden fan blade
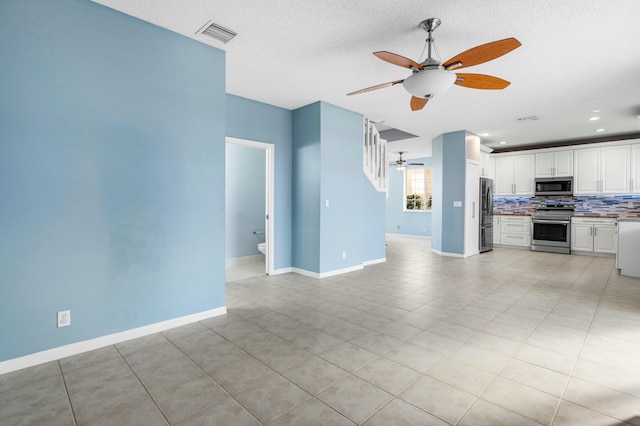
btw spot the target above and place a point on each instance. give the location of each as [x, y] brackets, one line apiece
[398, 60]
[418, 103]
[481, 81]
[379, 86]
[483, 53]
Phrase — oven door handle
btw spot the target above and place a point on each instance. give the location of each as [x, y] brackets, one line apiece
[559, 222]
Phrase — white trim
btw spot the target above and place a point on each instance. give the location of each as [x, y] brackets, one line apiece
[244, 260]
[374, 261]
[442, 253]
[327, 274]
[341, 271]
[282, 271]
[407, 236]
[270, 195]
[100, 342]
[305, 273]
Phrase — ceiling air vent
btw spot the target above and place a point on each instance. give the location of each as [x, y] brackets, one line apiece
[216, 32]
[529, 118]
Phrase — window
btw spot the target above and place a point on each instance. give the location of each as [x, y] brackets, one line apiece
[417, 186]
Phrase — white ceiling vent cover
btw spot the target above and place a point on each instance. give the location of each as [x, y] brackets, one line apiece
[216, 32]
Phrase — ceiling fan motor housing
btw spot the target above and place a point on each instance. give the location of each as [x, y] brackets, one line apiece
[429, 82]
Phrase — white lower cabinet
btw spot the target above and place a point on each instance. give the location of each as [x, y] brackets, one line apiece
[593, 235]
[515, 230]
[496, 229]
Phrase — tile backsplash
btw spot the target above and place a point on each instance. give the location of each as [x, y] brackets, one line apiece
[594, 205]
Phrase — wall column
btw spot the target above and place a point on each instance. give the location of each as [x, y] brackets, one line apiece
[455, 161]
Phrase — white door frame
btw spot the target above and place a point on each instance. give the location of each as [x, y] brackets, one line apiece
[269, 234]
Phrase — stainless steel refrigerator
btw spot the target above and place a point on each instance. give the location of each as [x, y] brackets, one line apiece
[486, 214]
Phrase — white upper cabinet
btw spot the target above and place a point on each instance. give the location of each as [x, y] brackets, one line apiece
[514, 175]
[552, 164]
[563, 163]
[487, 165]
[586, 179]
[635, 168]
[616, 162]
[604, 170]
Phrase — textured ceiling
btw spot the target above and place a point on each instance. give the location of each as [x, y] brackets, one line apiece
[576, 56]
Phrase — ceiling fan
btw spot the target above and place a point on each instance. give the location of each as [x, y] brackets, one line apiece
[430, 78]
[401, 164]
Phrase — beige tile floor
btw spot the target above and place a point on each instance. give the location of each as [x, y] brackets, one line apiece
[509, 337]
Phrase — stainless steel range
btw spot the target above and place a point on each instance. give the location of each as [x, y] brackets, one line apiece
[551, 225]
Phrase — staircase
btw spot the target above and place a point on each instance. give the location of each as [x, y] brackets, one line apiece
[374, 159]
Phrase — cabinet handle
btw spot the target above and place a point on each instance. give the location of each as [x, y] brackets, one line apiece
[590, 232]
[595, 232]
[473, 210]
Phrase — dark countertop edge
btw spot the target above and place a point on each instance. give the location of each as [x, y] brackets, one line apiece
[595, 216]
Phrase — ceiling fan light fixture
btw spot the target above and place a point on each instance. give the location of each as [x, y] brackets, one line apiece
[429, 83]
[401, 168]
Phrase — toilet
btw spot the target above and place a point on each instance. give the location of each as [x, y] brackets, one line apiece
[262, 247]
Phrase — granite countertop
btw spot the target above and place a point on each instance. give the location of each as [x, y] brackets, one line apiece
[511, 214]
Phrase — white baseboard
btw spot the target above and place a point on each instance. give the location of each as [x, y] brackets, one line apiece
[407, 236]
[100, 342]
[327, 274]
[245, 260]
[444, 253]
[282, 271]
[374, 261]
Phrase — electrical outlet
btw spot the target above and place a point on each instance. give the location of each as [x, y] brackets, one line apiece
[344, 255]
[64, 318]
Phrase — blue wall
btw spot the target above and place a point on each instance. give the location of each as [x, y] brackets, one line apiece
[341, 183]
[251, 120]
[398, 220]
[111, 173]
[449, 172]
[306, 188]
[327, 165]
[245, 199]
[373, 222]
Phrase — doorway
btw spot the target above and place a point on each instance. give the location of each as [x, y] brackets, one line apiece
[244, 233]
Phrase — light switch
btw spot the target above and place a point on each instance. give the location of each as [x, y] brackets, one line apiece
[326, 203]
[457, 204]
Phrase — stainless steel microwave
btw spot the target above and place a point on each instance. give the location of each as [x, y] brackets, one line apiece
[554, 186]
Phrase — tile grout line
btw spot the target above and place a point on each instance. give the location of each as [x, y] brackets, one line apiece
[566, 386]
[66, 389]
[512, 357]
[142, 384]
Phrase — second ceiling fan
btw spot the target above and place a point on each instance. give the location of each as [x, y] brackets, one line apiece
[430, 78]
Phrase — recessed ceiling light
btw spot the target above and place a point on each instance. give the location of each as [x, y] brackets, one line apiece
[484, 134]
[599, 130]
[595, 110]
[594, 118]
[503, 142]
